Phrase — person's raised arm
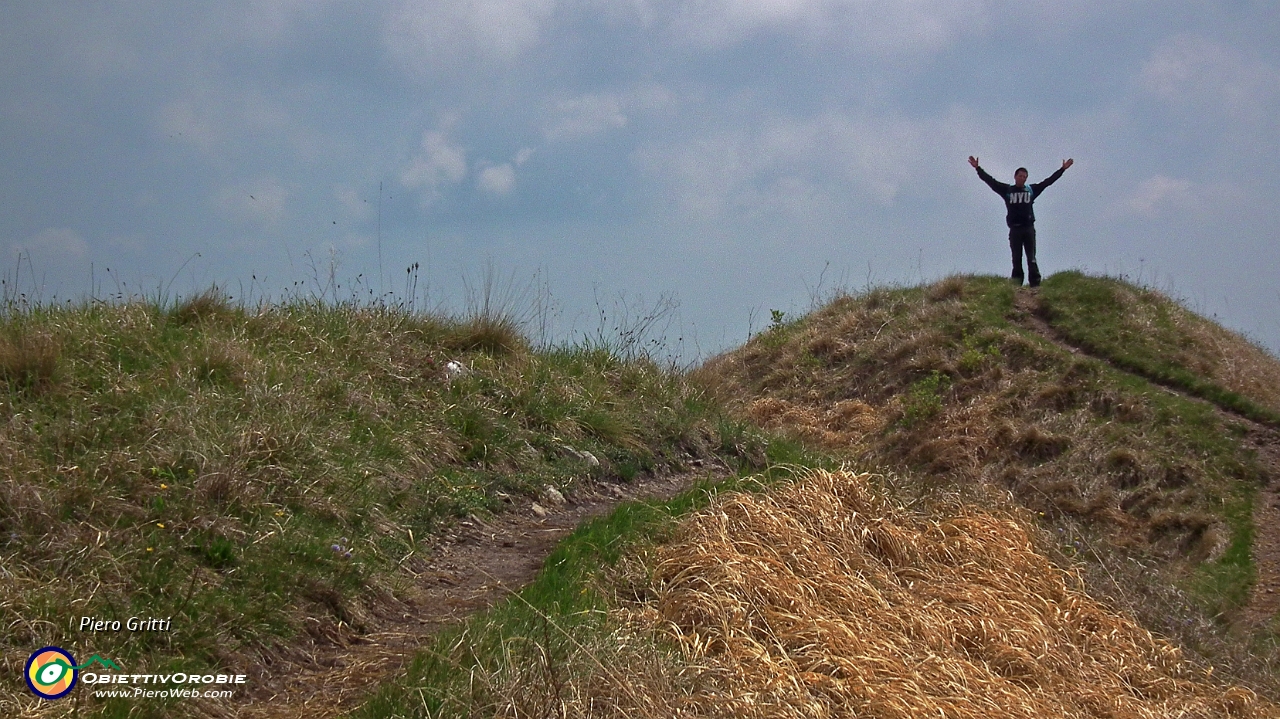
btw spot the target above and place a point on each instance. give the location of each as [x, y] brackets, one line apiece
[1039, 186]
[999, 187]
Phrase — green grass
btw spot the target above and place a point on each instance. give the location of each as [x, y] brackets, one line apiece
[515, 655]
[1141, 335]
[1224, 584]
[201, 461]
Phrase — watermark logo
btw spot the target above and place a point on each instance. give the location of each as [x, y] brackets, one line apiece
[51, 672]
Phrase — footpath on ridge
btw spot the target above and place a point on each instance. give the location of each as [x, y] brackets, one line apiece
[482, 561]
[1264, 599]
[468, 570]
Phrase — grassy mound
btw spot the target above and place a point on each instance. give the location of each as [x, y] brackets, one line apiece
[823, 599]
[964, 383]
[944, 381]
[259, 477]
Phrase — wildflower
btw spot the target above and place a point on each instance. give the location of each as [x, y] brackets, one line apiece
[150, 549]
[160, 525]
[341, 550]
[163, 485]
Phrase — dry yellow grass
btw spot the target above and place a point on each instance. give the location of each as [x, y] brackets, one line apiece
[1231, 360]
[825, 600]
[838, 426]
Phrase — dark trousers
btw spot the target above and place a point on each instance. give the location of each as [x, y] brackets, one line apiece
[1023, 239]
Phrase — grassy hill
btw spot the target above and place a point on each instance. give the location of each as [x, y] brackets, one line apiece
[1136, 431]
[1054, 476]
[262, 475]
[955, 383]
[259, 476]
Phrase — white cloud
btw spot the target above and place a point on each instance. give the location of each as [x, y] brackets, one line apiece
[260, 201]
[1202, 76]
[794, 166]
[596, 113]
[56, 242]
[871, 25]
[498, 179]
[1159, 193]
[586, 115]
[439, 164]
[428, 36]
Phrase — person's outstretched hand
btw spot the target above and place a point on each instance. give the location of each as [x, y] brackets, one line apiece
[974, 161]
[1065, 163]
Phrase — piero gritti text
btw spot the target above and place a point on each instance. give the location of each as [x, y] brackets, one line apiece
[132, 624]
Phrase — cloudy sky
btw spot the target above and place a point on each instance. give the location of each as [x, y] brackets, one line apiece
[735, 155]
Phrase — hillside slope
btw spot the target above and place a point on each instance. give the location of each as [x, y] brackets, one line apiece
[1129, 426]
[1059, 517]
[823, 599]
[283, 483]
[273, 481]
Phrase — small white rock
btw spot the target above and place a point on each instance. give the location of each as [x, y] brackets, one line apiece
[454, 369]
[591, 458]
[552, 495]
[539, 510]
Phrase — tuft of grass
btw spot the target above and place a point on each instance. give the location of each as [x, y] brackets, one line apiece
[208, 305]
[28, 361]
[494, 335]
[924, 398]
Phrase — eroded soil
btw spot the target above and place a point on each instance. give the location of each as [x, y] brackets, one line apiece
[469, 569]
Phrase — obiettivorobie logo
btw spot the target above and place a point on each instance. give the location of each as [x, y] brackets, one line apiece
[52, 672]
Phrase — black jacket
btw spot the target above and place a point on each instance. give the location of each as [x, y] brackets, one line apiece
[1019, 198]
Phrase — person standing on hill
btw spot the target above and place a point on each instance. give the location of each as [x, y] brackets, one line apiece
[1018, 198]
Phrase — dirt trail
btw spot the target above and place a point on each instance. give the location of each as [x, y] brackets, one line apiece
[1264, 599]
[467, 570]
[480, 561]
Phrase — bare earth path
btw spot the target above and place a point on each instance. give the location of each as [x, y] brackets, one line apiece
[469, 569]
[482, 560]
[1264, 599]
